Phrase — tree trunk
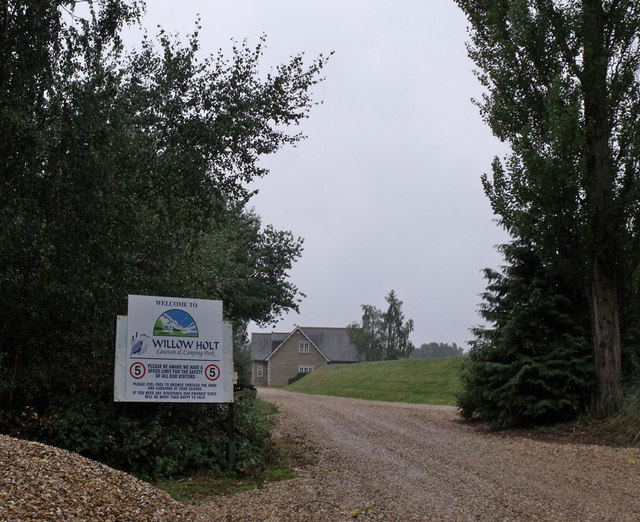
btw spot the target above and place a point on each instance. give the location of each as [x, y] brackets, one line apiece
[607, 398]
[599, 181]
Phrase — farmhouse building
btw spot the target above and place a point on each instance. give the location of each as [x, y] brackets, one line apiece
[278, 357]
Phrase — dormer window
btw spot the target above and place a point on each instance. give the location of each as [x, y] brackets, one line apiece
[303, 347]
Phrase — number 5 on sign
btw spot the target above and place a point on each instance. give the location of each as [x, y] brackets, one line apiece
[137, 370]
[212, 372]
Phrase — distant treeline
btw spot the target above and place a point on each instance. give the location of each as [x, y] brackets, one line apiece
[437, 350]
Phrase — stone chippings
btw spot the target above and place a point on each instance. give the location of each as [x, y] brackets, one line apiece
[410, 462]
[39, 482]
[358, 459]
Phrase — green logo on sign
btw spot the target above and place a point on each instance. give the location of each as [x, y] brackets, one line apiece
[175, 323]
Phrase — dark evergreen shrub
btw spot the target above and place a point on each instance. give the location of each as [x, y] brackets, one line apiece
[532, 363]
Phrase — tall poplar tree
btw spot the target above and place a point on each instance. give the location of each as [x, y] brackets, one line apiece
[561, 81]
[383, 335]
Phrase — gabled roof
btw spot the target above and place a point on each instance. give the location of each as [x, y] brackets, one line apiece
[333, 343]
[262, 344]
[297, 329]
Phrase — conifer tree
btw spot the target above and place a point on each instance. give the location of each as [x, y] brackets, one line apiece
[562, 88]
[532, 363]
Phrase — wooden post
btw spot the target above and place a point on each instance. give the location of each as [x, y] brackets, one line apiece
[231, 443]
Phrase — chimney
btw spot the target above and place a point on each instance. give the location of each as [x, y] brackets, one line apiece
[365, 321]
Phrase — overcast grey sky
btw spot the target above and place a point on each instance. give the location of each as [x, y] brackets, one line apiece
[386, 189]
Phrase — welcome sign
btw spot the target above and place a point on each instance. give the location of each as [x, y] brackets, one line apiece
[173, 350]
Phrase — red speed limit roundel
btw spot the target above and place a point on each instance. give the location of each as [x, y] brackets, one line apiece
[212, 372]
[137, 370]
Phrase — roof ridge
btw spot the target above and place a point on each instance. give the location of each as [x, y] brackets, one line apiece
[324, 327]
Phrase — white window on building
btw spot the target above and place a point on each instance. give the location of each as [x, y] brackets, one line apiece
[305, 369]
[303, 347]
[259, 371]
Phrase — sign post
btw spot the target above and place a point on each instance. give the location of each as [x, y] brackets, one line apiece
[173, 350]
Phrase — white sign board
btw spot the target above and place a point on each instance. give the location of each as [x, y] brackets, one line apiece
[173, 350]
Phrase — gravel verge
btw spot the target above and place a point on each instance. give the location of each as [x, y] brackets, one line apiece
[39, 482]
[363, 459]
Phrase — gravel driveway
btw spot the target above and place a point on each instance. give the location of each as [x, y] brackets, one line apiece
[368, 460]
[392, 461]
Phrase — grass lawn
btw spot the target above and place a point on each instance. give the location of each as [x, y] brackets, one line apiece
[429, 381]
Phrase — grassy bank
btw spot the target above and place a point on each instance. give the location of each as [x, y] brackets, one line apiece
[429, 381]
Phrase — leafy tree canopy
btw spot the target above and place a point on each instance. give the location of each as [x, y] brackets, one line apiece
[429, 350]
[382, 335]
[126, 173]
[562, 88]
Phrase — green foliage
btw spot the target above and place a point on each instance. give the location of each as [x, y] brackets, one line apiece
[427, 381]
[368, 338]
[254, 447]
[148, 440]
[155, 440]
[624, 427]
[428, 350]
[126, 174]
[562, 90]
[532, 364]
[279, 463]
[245, 265]
[241, 353]
[296, 378]
[383, 335]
